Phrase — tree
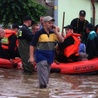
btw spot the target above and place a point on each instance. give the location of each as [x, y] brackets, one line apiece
[13, 11]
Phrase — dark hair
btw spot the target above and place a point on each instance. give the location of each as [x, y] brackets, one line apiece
[95, 28]
[82, 13]
[90, 26]
[15, 25]
[27, 17]
[68, 27]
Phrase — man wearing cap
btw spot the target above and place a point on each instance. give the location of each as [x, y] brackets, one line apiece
[79, 25]
[9, 42]
[24, 38]
[70, 46]
[91, 45]
[44, 41]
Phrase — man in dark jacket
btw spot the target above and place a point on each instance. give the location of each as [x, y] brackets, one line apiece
[79, 25]
[24, 38]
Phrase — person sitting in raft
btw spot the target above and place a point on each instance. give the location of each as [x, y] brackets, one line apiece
[91, 44]
[68, 50]
[3, 53]
[10, 42]
[2, 33]
[82, 51]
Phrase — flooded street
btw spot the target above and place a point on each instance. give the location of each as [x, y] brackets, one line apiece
[14, 84]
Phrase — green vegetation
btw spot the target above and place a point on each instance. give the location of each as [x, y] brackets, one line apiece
[13, 11]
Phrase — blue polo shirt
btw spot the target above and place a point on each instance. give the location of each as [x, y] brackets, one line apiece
[44, 44]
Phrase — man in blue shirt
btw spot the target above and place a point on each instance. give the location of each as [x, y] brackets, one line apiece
[44, 41]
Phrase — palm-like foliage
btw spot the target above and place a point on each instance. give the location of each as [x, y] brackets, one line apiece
[14, 10]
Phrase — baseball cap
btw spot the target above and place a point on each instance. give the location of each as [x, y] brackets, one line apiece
[68, 27]
[82, 13]
[48, 18]
[15, 25]
[27, 17]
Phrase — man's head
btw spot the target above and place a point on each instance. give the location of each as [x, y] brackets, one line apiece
[2, 33]
[68, 29]
[41, 20]
[27, 20]
[35, 27]
[89, 27]
[15, 27]
[48, 22]
[82, 15]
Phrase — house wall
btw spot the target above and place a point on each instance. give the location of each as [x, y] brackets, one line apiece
[96, 13]
[71, 9]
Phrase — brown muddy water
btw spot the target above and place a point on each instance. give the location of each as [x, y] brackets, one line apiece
[14, 84]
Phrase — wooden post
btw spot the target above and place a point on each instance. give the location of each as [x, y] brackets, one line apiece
[63, 21]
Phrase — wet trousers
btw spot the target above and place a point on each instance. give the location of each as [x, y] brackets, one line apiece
[43, 70]
[24, 54]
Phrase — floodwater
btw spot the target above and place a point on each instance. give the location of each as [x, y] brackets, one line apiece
[14, 84]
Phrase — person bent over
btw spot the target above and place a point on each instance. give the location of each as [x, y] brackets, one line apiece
[79, 25]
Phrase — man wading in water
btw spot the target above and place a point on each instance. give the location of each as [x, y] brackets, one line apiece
[44, 41]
